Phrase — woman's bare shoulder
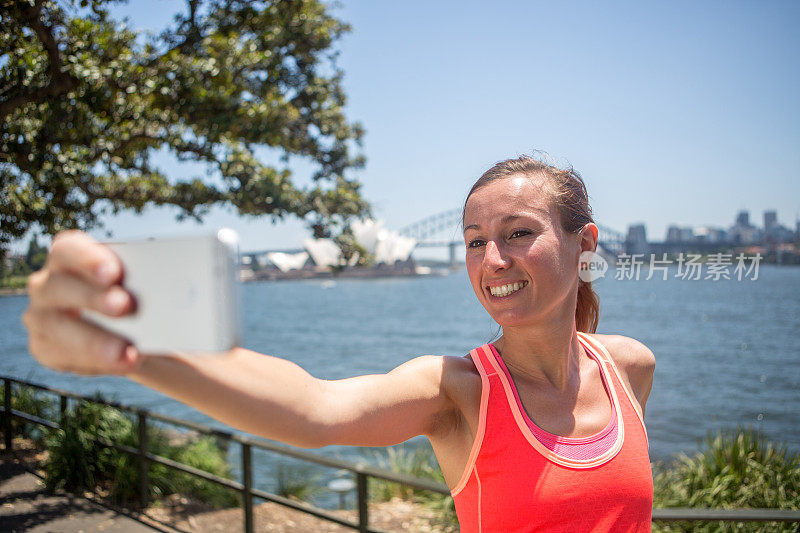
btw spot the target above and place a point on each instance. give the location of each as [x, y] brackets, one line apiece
[627, 352]
[457, 381]
[634, 360]
[461, 381]
[454, 376]
[459, 373]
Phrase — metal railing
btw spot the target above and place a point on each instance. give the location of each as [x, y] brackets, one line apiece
[361, 472]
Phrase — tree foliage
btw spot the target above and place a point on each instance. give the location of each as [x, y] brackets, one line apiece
[85, 102]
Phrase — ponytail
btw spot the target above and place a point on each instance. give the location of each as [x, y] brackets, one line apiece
[587, 311]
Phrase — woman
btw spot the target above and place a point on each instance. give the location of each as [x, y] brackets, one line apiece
[541, 431]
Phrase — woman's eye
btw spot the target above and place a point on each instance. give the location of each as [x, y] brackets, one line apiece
[520, 233]
[476, 243]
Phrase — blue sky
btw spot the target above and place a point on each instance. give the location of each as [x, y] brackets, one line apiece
[673, 112]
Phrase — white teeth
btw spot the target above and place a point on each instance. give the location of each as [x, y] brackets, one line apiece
[509, 288]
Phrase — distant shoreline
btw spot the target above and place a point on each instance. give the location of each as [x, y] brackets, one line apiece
[4, 291]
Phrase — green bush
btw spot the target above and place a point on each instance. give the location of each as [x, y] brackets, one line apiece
[123, 479]
[14, 282]
[33, 402]
[203, 454]
[77, 462]
[733, 469]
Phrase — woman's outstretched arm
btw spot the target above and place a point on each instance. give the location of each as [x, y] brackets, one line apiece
[277, 399]
[257, 393]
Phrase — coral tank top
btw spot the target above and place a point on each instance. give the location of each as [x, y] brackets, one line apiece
[521, 478]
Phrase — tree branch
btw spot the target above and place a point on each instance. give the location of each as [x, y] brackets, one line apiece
[60, 81]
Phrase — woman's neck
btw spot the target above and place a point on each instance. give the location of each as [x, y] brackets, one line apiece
[549, 353]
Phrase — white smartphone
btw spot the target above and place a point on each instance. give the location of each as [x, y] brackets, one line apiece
[186, 294]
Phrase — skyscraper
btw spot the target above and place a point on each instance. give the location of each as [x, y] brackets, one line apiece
[770, 220]
[743, 218]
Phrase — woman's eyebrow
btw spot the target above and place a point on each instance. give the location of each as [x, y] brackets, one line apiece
[505, 220]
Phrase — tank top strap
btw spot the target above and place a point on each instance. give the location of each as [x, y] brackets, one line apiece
[598, 349]
[603, 354]
[481, 358]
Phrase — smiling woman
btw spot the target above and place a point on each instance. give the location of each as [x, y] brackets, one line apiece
[540, 431]
[560, 424]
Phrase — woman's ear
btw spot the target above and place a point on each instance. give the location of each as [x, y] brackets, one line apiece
[589, 234]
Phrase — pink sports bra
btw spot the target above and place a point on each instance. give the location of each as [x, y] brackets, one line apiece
[570, 447]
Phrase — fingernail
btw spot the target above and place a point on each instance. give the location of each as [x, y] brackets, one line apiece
[107, 272]
[130, 357]
[116, 300]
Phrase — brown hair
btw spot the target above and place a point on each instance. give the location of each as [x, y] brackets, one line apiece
[568, 193]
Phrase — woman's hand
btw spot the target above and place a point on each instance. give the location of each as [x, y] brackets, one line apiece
[80, 273]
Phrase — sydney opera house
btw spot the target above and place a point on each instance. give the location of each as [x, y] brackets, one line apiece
[321, 257]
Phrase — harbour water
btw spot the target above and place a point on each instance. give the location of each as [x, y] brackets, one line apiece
[727, 351]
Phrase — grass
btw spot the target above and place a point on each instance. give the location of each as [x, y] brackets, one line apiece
[420, 462]
[298, 482]
[734, 469]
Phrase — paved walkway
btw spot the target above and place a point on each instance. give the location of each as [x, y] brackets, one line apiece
[25, 506]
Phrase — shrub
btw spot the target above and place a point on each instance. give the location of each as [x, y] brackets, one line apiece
[733, 469]
[14, 282]
[77, 462]
[123, 479]
[203, 454]
[33, 402]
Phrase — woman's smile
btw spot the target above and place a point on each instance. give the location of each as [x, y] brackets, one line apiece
[505, 289]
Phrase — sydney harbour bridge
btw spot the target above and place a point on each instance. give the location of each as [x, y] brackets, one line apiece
[443, 230]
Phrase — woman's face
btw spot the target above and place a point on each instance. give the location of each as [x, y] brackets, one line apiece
[522, 265]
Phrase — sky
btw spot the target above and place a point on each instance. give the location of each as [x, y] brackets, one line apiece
[673, 112]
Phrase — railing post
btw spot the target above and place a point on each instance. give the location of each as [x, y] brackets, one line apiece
[62, 409]
[363, 509]
[247, 491]
[144, 464]
[7, 414]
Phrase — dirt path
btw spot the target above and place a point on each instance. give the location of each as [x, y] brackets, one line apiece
[25, 506]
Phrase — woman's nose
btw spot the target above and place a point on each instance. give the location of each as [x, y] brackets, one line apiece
[493, 258]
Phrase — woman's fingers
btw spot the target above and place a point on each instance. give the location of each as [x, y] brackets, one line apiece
[80, 273]
[65, 342]
[60, 290]
[79, 254]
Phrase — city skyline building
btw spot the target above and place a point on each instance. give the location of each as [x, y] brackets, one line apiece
[742, 232]
[770, 220]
